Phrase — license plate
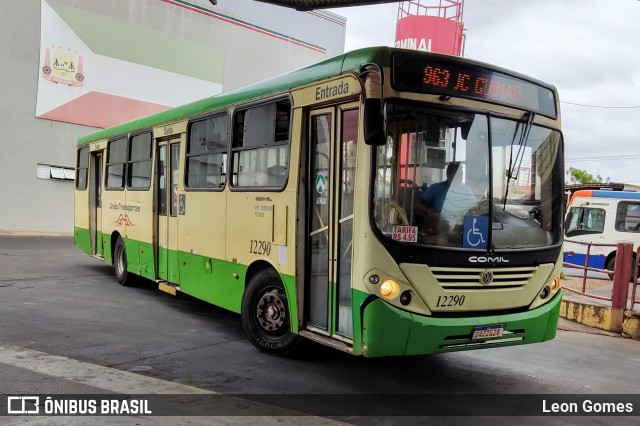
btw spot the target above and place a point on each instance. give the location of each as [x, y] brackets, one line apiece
[487, 332]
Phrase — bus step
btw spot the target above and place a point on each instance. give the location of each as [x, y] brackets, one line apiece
[97, 256]
[328, 341]
[172, 289]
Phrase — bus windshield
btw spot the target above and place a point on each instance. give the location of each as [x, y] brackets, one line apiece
[467, 180]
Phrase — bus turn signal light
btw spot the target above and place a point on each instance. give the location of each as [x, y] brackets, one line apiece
[556, 284]
[389, 289]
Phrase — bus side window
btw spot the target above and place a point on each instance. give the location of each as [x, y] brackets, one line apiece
[260, 150]
[116, 163]
[628, 216]
[82, 168]
[139, 162]
[207, 153]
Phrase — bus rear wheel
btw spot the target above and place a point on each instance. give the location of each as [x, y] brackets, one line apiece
[120, 263]
[265, 315]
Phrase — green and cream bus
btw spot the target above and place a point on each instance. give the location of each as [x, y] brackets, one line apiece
[384, 202]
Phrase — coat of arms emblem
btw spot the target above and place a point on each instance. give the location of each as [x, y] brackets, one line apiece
[63, 66]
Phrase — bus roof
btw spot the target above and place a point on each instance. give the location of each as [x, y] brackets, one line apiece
[350, 61]
[318, 71]
[584, 193]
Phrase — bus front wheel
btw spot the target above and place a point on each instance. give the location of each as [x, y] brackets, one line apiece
[265, 315]
[120, 263]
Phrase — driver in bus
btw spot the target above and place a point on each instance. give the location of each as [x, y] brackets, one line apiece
[445, 203]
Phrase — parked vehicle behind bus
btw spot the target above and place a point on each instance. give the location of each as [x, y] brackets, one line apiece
[604, 217]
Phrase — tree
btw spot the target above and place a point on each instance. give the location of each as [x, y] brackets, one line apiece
[582, 176]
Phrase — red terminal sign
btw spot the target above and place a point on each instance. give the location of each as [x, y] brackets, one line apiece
[429, 34]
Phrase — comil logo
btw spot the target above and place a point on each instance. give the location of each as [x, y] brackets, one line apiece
[23, 405]
[488, 259]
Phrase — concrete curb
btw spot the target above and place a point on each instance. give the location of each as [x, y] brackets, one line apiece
[65, 371]
[589, 315]
[5, 233]
[600, 317]
[106, 378]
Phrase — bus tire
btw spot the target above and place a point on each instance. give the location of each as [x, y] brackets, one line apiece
[611, 266]
[120, 263]
[265, 315]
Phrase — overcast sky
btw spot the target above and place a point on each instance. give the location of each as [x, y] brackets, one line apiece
[589, 49]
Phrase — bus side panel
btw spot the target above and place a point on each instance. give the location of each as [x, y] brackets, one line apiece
[113, 219]
[82, 239]
[258, 231]
[212, 280]
[81, 236]
[204, 272]
[139, 223]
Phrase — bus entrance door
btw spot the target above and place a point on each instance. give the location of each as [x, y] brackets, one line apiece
[333, 134]
[166, 184]
[95, 204]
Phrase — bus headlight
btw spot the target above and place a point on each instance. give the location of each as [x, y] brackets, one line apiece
[389, 289]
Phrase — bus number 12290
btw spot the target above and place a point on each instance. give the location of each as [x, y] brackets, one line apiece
[260, 247]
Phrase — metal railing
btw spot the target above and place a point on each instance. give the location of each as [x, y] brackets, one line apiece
[636, 265]
[625, 262]
[586, 269]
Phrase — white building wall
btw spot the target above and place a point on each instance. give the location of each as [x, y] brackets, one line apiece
[28, 204]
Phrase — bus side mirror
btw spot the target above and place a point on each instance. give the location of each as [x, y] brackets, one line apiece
[374, 123]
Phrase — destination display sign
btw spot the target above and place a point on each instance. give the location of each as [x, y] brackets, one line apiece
[423, 75]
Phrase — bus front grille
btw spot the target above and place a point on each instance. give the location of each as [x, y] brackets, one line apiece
[483, 278]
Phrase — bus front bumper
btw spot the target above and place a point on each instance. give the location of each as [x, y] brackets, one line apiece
[389, 331]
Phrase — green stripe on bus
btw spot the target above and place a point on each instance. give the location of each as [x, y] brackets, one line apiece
[292, 297]
[389, 331]
[212, 280]
[206, 278]
[82, 239]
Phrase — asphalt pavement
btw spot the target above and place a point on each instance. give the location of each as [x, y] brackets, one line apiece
[67, 327]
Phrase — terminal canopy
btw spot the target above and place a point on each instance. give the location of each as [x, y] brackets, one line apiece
[322, 4]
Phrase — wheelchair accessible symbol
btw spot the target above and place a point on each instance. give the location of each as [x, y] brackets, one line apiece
[476, 232]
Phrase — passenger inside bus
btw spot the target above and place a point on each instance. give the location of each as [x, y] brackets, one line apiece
[443, 204]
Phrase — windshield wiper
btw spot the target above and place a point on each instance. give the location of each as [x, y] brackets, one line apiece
[522, 144]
